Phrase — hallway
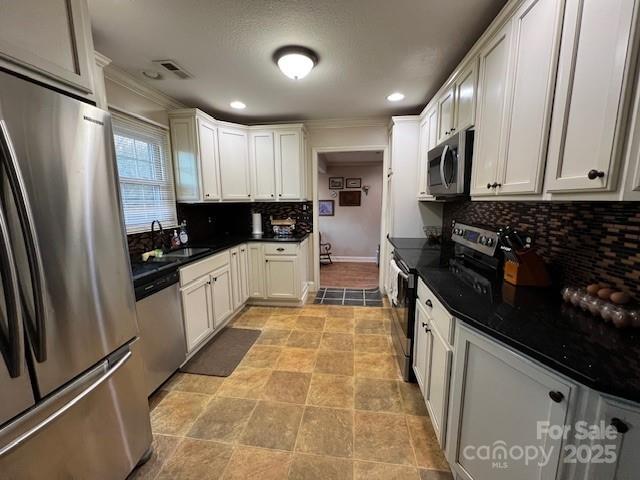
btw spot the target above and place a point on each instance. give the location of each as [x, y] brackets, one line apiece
[349, 275]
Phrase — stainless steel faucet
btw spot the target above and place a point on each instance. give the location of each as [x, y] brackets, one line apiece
[153, 236]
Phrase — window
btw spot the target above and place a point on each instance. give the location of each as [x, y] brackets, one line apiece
[144, 167]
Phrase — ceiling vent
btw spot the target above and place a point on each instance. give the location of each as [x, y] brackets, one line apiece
[173, 67]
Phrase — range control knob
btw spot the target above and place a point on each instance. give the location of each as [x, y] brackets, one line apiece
[483, 240]
[490, 242]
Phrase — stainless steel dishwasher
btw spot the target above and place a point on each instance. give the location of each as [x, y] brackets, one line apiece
[161, 328]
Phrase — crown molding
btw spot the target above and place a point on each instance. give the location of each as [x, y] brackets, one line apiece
[124, 79]
[347, 122]
[101, 60]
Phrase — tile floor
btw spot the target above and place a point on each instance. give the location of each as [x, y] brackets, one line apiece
[349, 275]
[359, 297]
[317, 397]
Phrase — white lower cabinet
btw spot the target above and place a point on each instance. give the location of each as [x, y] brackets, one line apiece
[221, 295]
[256, 270]
[243, 266]
[421, 348]
[197, 311]
[281, 277]
[236, 277]
[437, 387]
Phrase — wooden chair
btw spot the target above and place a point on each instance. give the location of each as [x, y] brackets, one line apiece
[325, 251]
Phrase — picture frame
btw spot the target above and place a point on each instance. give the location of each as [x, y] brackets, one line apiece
[353, 183]
[326, 208]
[350, 198]
[336, 183]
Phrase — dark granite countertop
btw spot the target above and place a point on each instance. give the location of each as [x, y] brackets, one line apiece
[144, 272]
[538, 324]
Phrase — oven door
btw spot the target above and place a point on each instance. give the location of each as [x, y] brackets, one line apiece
[402, 325]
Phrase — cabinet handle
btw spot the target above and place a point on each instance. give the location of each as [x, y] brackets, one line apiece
[556, 396]
[453, 130]
[207, 195]
[248, 194]
[279, 194]
[428, 304]
[234, 253]
[266, 261]
[280, 249]
[619, 425]
[423, 193]
[593, 174]
[494, 185]
[272, 195]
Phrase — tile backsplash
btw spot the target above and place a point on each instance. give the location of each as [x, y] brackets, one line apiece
[582, 242]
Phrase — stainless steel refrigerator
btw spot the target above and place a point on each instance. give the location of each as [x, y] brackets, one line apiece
[72, 396]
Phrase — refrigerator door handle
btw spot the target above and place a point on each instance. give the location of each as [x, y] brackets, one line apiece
[110, 371]
[12, 346]
[37, 328]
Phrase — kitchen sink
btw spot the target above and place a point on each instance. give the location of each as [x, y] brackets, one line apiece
[184, 252]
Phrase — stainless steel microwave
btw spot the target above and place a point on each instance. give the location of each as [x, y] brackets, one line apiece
[449, 165]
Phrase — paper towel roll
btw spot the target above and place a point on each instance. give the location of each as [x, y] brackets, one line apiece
[256, 219]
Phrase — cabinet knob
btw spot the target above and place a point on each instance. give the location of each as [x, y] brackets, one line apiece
[426, 327]
[279, 194]
[248, 194]
[207, 195]
[593, 174]
[272, 195]
[280, 249]
[423, 193]
[453, 130]
[619, 425]
[428, 304]
[556, 396]
[488, 186]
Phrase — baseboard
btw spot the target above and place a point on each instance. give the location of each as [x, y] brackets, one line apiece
[311, 287]
[336, 258]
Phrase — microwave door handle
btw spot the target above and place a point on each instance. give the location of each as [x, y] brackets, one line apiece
[443, 158]
[37, 326]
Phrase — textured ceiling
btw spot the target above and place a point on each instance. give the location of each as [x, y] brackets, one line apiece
[367, 49]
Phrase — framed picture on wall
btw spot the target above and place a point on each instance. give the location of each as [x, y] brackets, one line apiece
[336, 183]
[353, 183]
[350, 198]
[326, 208]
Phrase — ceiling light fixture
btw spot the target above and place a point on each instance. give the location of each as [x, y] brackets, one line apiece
[395, 97]
[152, 74]
[238, 105]
[295, 62]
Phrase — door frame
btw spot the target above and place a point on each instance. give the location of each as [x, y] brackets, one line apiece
[315, 151]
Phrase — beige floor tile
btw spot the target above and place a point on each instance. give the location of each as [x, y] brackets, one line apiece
[312, 467]
[310, 323]
[435, 475]
[254, 310]
[175, 414]
[386, 311]
[245, 383]
[343, 312]
[331, 391]
[428, 452]
[256, 321]
[156, 398]
[369, 313]
[282, 322]
[261, 356]
[314, 311]
[187, 382]
[257, 464]
[337, 341]
[273, 337]
[288, 387]
[163, 446]
[370, 327]
[196, 460]
[304, 339]
[339, 324]
[372, 365]
[382, 437]
[412, 399]
[224, 419]
[336, 363]
[326, 431]
[273, 425]
[377, 395]
[384, 471]
[296, 360]
[287, 310]
[372, 343]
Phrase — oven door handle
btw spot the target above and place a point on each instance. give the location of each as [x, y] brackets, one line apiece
[443, 159]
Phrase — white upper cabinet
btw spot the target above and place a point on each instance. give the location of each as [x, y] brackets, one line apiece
[492, 84]
[208, 143]
[591, 98]
[423, 191]
[263, 159]
[446, 114]
[289, 164]
[235, 173]
[50, 41]
[465, 96]
[186, 164]
[432, 121]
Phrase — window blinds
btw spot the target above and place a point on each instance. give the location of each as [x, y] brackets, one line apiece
[146, 178]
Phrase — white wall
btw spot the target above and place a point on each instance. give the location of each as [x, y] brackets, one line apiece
[353, 231]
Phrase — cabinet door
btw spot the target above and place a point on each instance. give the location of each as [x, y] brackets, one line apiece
[498, 398]
[288, 155]
[281, 276]
[422, 158]
[432, 119]
[197, 311]
[535, 46]
[445, 115]
[591, 95]
[465, 96]
[209, 160]
[236, 277]
[185, 159]
[489, 139]
[222, 295]
[264, 165]
[422, 347]
[256, 271]
[244, 273]
[437, 390]
[235, 177]
[49, 38]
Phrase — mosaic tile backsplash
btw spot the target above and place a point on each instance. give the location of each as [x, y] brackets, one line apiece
[582, 242]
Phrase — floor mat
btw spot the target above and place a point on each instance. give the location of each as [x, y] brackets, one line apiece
[361, 297]
[223, 353]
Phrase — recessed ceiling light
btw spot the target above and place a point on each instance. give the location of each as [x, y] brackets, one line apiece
[152, 74]
[395, 97]
[295, 62]
[238, 105]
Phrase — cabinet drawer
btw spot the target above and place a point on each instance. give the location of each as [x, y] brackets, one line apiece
[191, 272]
[439, 316]
[281, 249]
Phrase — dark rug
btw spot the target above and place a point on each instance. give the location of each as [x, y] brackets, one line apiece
[223, 353]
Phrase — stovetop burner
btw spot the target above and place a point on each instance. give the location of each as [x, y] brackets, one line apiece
[476, 280]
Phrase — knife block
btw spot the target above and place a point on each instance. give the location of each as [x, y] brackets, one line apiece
[529, 271]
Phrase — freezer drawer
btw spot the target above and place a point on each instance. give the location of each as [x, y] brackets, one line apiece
[102, 436]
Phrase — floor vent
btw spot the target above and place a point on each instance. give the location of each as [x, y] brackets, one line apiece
[173, 67]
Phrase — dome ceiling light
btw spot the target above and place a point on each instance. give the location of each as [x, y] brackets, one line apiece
[295, 62]
[395, 97]
[238, 105]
